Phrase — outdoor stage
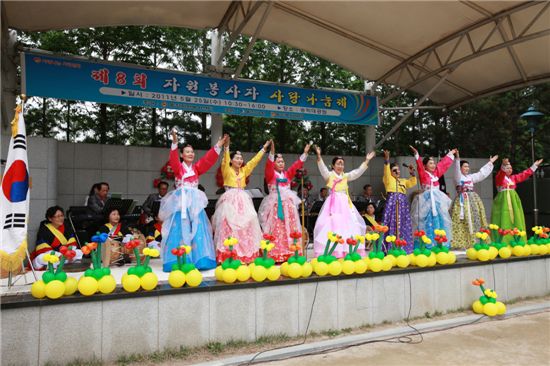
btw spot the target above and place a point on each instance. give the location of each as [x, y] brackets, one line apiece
[108, 326]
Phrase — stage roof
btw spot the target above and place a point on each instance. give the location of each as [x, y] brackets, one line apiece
[471, 48]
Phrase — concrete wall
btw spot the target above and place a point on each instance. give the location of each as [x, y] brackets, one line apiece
[63, 173]
[111, 328]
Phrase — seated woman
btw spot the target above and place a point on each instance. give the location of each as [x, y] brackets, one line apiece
[369, 216]
[117, 232]
[52, 235]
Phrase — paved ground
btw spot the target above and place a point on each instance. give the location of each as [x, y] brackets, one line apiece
[523, 340]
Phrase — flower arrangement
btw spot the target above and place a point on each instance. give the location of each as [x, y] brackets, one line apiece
[483, 250]
[296, 266]
[396, 253]
[297, 180]
[140, 275]
[55, 282]
[97, 278]
[422, 256]
[232, 269]
[183, 272]
[540, 241]
[166, 173]
[327, 263]
[264, 267]
[487, 303]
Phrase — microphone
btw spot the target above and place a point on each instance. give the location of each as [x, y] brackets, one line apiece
[405, 165]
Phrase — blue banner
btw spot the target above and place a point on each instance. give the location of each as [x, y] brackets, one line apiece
[81, 79]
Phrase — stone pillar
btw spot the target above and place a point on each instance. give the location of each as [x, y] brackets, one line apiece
[216, 127]
[8, 77]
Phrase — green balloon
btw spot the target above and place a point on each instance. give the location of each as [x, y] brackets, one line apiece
[140, 271]
[88, 273]
[61, 276]
[403, 252]
[427, 252]
[483, 300]
[270, 262]
[493, 300]
[132, 270]
[291, 260]
[187, 267]
[329, 259]
[301, 260]
[47, 277]
[372, 255]
[259, 261]
[355, 257]
[347, 257]
[321, 258]
[477, 246]
[106, 271]
[176, 267]
[225, 264]
[148, 269]
[436, 250]
[380, 255]
[417, 251]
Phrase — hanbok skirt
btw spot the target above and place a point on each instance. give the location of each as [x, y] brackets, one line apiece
[507, 213]
[184, 222]
[338, 217]
[235, 216]
[472, 219]
[423, 217]
[280, 229]
[397, 210]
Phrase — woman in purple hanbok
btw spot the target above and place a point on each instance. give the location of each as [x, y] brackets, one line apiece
[397, 215]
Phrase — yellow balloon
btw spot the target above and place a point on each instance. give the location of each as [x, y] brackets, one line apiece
[259, 273]
[55, 289]
[194, 278]
[307, 269]
[87, 286]
[341, 260]
[273, 273]
[421, 260]
[106, 284]
[360, 266]
[451, 258]
[251, 266]
[348, 267]
[71, 284]
[501, 308]
[517, 251]
[38, 289]
[534, 249]
[543, 249]
[483, 255]
[294, 270]
[321, 269]
[490, 309]
[335, 268]
[284, 269]
[432, 260]
[243, 273]
[526, 250]
[176, 278]
[547, 248]
[504, 252]
[442, 258]
[229, 275]
[393, 259]
[412, 259]
[131, 283]
[493, 253]
[471, 254]
[387, 264]
[477, 307]
[375, 265]
[150, 280]
[314, 261]
[403, 261]
[218, 272]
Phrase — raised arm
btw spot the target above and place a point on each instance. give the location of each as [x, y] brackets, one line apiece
[485, 170]
[174, 158]
[419, 165]
[298, 164]
[458, 173]
[445, 163]
[249, 167]
[211, 156]
[325, 173]
[356, 173]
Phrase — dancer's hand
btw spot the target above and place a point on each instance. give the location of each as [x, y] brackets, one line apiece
[457, 154]
[505, 161]
[272, 152]
[415, 152]
[370, 155]
[492, 159]
[411, 170]
[386, 155]
[174, 137]
[306, 149]
[227, 142]
[266, 145]
[317, 150]
[222, 140]
[537, 163]
[454, 151]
